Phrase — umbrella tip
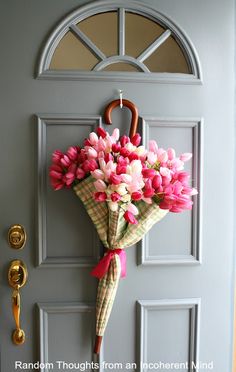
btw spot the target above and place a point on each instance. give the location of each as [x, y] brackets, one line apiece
[97, 346]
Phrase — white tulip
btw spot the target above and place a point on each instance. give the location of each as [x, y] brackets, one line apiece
[126, 198]
[136, 166]
[121, 189]
[140, 150]
[130, 146]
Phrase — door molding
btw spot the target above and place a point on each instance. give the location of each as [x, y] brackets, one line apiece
[195, 258]
[43, 259]
[47, 308]
[144, 307]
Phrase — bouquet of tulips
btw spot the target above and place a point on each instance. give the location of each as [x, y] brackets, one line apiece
[125, 189]
[125, 172]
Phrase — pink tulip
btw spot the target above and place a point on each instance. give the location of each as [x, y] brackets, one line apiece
[133, 156]
[109, 144]
[87, 142]
[151, 158]
[57, 185]
[70, 177]
[111, 166]
[100, 185]
[72, 168]
[169, 190]
[186, 156]
[115, 179]
[148, 193]
[57, 169]
[124, 140]
[137, 195]
[147, 200]
[165, 172]
[175, 209]
[82, 156]
[156, 181]
[123, 161]
[100, 196]
[183, 202]
[56, 156]
[149, 173]
[91, 153]
[89, 165]
[136, 139]
[116, 134]
[93, 138]
[101, 155]
[170, 199]
[153, 146]
[55, 175]
[98, 174]
[166, 181]
[115, 196]
[72, 153]
[162, 156]
[183, 176]
[65, 161]
[101, 132]
[120, 169]
[116, 147]
[164, 205]
[102, 164]
[80, 173]
[128, 216]
[132, 209]
[101, 145]
[148, 184]
[177, 187]
[124, 152]
[108, 157]
[171, 153]
[176, 164]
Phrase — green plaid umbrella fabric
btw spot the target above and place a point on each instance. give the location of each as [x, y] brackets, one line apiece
[115, 233]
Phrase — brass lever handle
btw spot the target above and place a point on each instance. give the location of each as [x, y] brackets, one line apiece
[17, 277]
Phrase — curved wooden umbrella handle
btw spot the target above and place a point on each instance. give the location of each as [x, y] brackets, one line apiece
[133, 109]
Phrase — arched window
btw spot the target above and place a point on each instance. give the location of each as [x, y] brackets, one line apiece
[119, 39]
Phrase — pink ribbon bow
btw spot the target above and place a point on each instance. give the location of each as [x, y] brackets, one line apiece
[103, 265]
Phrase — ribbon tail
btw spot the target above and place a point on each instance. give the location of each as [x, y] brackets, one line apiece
[122, 256]
[102, 267]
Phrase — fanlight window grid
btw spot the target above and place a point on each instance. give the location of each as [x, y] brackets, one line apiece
[102, 41]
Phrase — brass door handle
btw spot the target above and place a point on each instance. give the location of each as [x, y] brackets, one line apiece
[17, 277]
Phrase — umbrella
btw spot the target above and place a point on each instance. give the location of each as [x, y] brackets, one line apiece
[116, 179]
[116, 234]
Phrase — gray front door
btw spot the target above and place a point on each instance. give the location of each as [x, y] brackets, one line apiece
[175, 306]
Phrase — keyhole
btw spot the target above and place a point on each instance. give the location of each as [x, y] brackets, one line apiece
[16, 238]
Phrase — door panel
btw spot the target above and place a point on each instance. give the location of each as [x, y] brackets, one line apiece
[59, 235]
[176, 303]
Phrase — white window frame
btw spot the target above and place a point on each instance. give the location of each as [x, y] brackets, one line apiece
[121, 6]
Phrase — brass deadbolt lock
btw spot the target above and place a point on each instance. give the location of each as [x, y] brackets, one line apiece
[16, 236]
